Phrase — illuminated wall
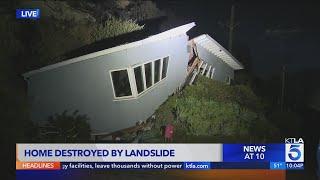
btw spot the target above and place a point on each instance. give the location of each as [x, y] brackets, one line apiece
[86, 86]
[222, 70]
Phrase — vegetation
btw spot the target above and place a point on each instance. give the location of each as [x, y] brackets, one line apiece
[66, 127]
[114, 27]
[68, 36]
[207, 108]
[62, 28]
[27, 45]
[13, 106]
[212, 108]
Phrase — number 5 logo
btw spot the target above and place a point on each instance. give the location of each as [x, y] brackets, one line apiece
[294, 153]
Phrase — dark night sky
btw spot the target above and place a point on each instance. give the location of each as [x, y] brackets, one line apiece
[270, 33]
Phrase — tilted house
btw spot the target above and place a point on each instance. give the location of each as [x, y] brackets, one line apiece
[119, 86]
[216, 62]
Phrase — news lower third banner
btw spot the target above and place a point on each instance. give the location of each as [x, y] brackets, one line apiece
[159, 156]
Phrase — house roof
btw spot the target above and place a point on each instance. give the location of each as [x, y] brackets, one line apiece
[215, 48]
[161, 36]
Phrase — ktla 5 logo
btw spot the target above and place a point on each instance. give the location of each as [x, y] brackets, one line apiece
[295, 150]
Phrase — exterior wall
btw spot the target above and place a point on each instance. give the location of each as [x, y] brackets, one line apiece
[86, 86]
[222, 70]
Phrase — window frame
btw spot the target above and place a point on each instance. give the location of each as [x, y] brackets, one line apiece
[204, 68]
[132, 78]
[200, 65]
[162, 60]
[130, 83]
[144, 71]
[208, 72]
[152, 72]
[212, 72]
[143, 79]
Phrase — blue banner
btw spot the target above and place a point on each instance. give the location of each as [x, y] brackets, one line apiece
[122, 165]
[27, 13]
[240, 165]
[197, 165]
[253, 152]
[295, 166]
[277, 165]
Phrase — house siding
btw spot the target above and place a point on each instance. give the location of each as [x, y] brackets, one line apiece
[222, 70]
[86, 86]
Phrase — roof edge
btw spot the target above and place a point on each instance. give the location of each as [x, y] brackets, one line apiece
[223, 49]
[239, 63]
[157, 37]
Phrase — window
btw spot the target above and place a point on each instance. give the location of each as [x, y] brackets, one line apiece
[139, 79]
[201, 64]
[208, 72]
[133, 81]
[156, 71]
[212, 73]
[121, 83]
[204, 67]
[165, 67]
[205, 71]
[148, 74]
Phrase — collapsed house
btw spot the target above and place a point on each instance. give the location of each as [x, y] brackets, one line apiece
[119, 86]
[212, 60]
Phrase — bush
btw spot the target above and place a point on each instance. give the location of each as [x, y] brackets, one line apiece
[208, 117]
[211, 90]
[114, 27]
[67, 128]
[212, 108]
[221, 92]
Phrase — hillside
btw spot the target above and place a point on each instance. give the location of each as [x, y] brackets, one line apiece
[211, 111]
